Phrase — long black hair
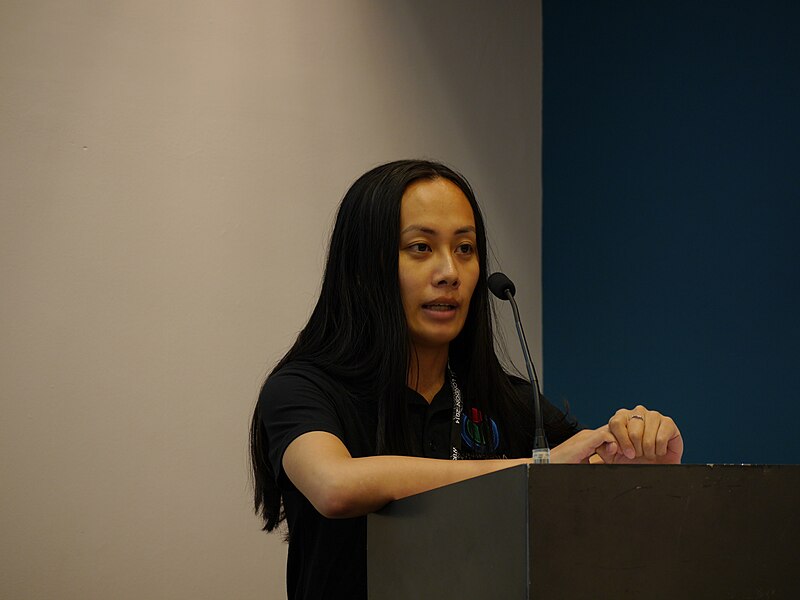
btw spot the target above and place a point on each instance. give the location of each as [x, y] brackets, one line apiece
[358, 335]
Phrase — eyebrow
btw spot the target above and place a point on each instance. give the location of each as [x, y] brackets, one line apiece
[428, 230]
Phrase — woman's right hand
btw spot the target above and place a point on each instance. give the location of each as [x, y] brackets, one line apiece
[584, 444]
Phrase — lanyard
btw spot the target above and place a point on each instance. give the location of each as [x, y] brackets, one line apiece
[455, 431]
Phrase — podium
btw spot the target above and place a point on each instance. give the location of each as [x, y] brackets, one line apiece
[573, 532]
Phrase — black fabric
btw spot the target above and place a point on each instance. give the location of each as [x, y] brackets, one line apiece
[327, 557]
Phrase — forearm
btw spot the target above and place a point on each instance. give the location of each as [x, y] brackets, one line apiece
[374, 481]
[338, 485]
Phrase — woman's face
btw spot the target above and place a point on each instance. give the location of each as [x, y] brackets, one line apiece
[438, 264]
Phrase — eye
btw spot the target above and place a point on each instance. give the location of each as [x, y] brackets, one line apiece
[420, 247]
[465, 249]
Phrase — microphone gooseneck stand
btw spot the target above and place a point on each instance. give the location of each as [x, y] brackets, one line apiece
[502, 287]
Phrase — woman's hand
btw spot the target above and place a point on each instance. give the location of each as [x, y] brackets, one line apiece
[643, 437]
[584, 444]
[637, 436]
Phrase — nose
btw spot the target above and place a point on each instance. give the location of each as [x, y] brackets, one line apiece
[446, 273]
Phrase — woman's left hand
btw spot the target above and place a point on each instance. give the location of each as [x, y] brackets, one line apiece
[643, 437]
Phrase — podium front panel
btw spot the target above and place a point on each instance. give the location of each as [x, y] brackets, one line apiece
[573, 532]
[467, 540]
[685, 531]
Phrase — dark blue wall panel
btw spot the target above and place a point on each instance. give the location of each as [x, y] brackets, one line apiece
[671, 243]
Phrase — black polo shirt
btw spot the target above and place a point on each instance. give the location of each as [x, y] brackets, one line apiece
[327, 557]
[432, 423]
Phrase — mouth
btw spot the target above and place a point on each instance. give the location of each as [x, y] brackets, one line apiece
[440, 306]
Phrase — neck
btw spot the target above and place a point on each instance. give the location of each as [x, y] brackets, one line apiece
[426, 370]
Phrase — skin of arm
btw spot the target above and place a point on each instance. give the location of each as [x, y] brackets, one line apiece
[340, 486]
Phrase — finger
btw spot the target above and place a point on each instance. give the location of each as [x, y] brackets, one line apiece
[581, 445]
[618, 425]
[636, 427]
[602, 436]
[675, 449]
[652, 424]
[607, 452]
[607, 445]
[666, 432]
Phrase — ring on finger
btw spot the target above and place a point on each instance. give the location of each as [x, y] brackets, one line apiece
[632, 417]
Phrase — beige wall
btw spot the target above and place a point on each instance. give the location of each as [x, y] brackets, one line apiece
[168, 174]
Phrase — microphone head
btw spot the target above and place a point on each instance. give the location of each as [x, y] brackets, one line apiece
[498, 284]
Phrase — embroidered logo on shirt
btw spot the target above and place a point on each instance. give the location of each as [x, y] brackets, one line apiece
[472, 428]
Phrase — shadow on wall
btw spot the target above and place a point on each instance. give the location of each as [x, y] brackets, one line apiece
[484, 67]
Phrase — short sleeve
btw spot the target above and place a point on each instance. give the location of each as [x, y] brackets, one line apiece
[292, 403]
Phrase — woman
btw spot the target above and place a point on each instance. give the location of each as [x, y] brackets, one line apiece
[364, 408]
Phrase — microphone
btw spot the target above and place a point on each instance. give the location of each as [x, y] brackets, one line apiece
[502, 287]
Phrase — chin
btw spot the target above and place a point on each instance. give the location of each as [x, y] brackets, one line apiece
[435, 339]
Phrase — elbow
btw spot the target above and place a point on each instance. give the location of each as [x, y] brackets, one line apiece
[335, 508]
[338, 500]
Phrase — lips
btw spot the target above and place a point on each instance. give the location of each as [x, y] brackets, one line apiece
[441, 304]
[441, 308]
